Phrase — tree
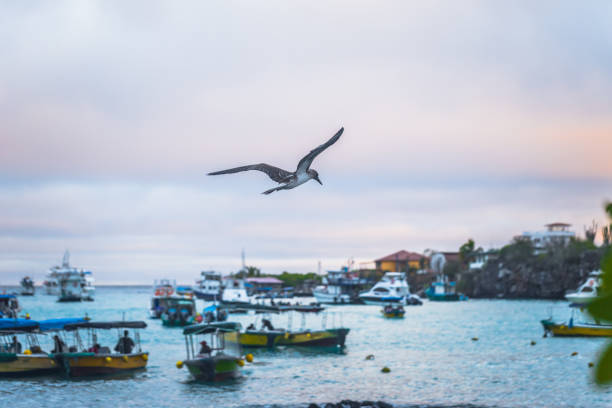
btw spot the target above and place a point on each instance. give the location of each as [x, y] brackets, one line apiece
[591, 232]
[606, 232]
[601, 308]
[466, 251]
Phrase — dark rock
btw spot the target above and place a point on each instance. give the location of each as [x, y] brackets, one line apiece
[313, 406]
[350, 404]
[383, 404]
[368, 404]
[330, 405]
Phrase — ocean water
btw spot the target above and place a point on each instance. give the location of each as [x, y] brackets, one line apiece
[431, 354]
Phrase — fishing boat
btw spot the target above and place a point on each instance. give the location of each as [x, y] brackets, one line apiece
[587, 291]
[392, 288]
[9, 306]
[179, 311]
[340, 287]
[69, 283]
[27, 286]
[99, 360]
[234, 292]
[393, 311]
[20, 351]
[444, 291]
[579, 324]
[218, 355]
[209, 286]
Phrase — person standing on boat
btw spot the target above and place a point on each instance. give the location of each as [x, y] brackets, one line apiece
[15, 346]
[125, 344]
[205, 350]
[59, 345]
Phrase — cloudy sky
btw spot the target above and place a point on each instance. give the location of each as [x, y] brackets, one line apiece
[462, 119]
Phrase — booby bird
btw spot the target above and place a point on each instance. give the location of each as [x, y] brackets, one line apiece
[288, 179]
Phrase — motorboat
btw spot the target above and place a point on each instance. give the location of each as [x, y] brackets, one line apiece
[338, 287]
[69, 283]
[579, 324]
[179, 311]
[442, 290]
[20, 351]
[51, 283]
[87, 284]
[213, 351]
[214, 313]
[393, 311]
[162, 289]
[97, 360]
[209, 286]
[70, 286]
[9, 306]
[27, 286]
[392, 288]
[234, 292]
[587, 291]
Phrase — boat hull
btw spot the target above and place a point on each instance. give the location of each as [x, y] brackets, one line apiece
[381, 301]
[329, 299]
[214, 369]
[563, 330]
[26, 364]
[393, 315]
[88, 364]
[206, 296]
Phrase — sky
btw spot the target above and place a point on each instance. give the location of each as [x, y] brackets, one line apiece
[471, 119]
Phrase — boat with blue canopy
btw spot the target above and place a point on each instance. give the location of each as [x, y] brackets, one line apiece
[20, 351]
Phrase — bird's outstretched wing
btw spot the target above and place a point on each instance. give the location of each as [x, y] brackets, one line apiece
[305, 163]
[276, 174]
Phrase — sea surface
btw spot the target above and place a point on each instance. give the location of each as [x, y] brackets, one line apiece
[431, 354]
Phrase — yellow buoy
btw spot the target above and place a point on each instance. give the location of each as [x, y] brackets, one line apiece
[249, 358]
[108, 359]
[179, 364]
[125, 358]
[145, 357]
[27, 315]
[27, 351]
[240, 362]
[308, 335]
[386, 370]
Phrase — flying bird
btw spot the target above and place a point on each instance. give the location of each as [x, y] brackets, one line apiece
[288, 179]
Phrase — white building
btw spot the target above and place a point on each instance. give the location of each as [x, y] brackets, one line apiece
[556, 233]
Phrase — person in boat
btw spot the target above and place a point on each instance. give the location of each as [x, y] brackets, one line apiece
[251, 327]
[95, 348]
[205, 350]
[15, 346]
[266, 324]
[58, 345]
[125, 344]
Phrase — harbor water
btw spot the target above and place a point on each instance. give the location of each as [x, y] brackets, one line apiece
[475, 353]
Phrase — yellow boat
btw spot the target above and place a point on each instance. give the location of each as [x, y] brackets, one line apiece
[102, 360]
[307, 338]
[576, 330]
[20, 352]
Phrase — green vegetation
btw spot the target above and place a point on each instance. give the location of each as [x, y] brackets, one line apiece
[601, 309]
[297, 279]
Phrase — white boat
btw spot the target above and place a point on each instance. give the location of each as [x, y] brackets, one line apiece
[234, 291]
[27, 287]
[162, 289]
[392, 288]
[70, 287]
[51, 283]
[87, 283]
[68, 283]
[209, 287]
[587, 291]
[334, 288]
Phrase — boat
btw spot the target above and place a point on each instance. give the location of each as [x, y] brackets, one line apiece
[393, 311]
[185, 291]
[234, 293]
[69, 284]
[163, 289]
[27, 286]
[179, 311]
[70, 287]
[209, 287]
[20, 351]
[270, 337]
[444, 291]
[392, 288]
[579, 324]
[218, 359]
[9, 306]
[213, 313]
[87, 285]
[339, 287]
[587, 291]
[100, 360]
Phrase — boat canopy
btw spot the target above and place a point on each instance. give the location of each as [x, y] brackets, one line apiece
[18, 324]
[211, 328]
[59, 324]
[106, 325]
[8, 297]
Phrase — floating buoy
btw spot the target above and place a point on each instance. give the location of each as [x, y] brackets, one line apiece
[179, 364]
[308, 335]
[27, 316]
[370, 357]
[533, 343]
[27, 351]
[474, 338]
[145, 357]
[108, 359]
[249, 358]
[575, 353]
[386, 370]
[240, 362]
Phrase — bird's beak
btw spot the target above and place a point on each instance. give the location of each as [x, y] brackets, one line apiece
[318, 180]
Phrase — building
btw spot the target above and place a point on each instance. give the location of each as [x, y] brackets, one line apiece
[402, 261]
[557, 233]
[264, 285]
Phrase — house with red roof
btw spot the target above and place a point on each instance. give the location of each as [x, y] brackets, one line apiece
[402, 261]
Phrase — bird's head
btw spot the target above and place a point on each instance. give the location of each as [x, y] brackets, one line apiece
[314, 175]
